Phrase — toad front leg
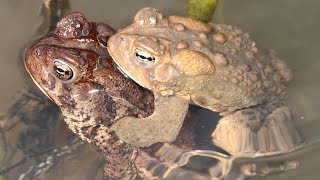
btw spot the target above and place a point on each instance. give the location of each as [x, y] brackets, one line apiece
[161, 126]
[257, 131]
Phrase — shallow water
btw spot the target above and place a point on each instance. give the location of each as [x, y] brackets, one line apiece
[289, 26]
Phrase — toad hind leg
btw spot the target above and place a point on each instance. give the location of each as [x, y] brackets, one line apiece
[254, 132]
[161, 126]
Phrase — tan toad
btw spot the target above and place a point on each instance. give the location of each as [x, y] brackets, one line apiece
[213, 66]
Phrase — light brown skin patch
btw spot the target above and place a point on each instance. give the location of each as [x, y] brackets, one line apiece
[210, 67]
[163, 73]
[191, 23]
[202, 65]
[210, 70]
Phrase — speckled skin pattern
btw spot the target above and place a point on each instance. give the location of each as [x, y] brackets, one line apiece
[99, 97]
[213, 66]
[95, 97]
[95, 81]
[218, 66]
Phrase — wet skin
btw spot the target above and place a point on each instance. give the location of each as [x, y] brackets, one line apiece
[214, 66]
[72, 67]
[65, 75]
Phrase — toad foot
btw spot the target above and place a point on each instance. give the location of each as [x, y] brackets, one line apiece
[161, 126]
[245, 132]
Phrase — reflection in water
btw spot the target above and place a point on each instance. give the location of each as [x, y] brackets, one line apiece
[278, 134]
[45, 150]
[265, 165]
[36, 144]
[231, 167]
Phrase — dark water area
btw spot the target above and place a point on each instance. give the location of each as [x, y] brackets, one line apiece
[290, 27]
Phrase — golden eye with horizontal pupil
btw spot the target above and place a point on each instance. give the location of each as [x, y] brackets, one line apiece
[62, 70]
[144, 59]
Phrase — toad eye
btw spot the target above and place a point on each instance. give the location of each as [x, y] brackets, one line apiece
[62, 70]
[37, 52]
[144, 59]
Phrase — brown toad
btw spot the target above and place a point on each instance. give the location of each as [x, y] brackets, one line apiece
[213, 66]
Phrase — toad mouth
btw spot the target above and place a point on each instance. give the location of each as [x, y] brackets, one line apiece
[122, 72]
[34, 80]
[38, 85]
[117, 66]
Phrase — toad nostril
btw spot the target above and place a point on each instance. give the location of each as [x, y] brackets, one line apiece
[120, 39]
[37, 52]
